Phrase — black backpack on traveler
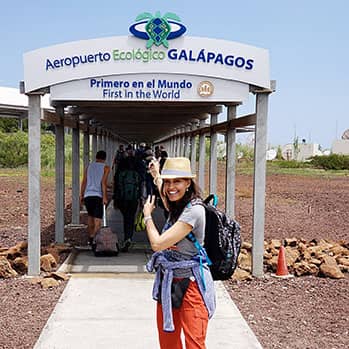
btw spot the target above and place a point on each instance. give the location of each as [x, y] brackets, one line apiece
[127, 188]
[222, 239]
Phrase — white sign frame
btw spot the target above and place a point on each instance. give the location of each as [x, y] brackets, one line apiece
[199, 57]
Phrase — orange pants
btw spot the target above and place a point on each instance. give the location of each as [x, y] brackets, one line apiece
[192, 317]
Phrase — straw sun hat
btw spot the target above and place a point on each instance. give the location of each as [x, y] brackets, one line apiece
[176, 168]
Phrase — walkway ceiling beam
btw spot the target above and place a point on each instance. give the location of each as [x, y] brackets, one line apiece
[134, 126]
[240, 124]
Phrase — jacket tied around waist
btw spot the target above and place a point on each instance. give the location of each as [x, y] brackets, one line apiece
[164, 267]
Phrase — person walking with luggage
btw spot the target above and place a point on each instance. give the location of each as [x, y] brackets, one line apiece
[149, 185]
[120, 154]
[127, 194]
[93, 192]
[163, 156]
[183, 284]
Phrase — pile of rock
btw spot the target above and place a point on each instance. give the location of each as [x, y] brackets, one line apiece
[14, 262]
[316, 257]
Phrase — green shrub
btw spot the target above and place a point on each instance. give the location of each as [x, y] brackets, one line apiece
[290, 164]
[68, 149]
[48, 151]
[245, 151]
[8, 125]
[331, 162]
[279, 153]
[13, 149]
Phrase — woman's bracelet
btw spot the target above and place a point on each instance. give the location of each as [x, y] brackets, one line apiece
[147, 218]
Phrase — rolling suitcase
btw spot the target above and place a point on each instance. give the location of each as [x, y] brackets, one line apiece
[105, 242]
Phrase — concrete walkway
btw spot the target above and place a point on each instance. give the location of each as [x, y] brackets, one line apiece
[107, 304]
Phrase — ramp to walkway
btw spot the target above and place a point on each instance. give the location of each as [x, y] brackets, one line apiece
[116, 311]
[131, 262]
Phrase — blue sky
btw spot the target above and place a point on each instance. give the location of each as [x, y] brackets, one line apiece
[308, 43]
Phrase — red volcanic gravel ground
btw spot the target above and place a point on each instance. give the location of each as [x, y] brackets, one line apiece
[304, 312]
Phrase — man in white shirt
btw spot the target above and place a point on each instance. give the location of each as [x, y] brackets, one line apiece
[94, 192]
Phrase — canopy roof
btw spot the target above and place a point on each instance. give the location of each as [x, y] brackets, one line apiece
[146, 121]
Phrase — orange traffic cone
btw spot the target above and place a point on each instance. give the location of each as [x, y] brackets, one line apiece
[282, 271]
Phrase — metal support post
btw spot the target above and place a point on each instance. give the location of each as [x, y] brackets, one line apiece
[86, 147]
[260, 148]
[230, 166]
[94, 146]
[76, 175]
[99, 140]
[202, 158]
[187, 142]
[34, 166]
[213, 156]
[60, 180]
[193, 149]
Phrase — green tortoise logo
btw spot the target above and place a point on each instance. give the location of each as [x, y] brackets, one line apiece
[158, 30]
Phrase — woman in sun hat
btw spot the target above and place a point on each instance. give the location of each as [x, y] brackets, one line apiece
[183, 284]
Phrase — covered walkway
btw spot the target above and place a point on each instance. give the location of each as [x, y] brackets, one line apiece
[121, 90]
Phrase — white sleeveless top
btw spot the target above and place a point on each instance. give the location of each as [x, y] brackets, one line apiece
[95, 172]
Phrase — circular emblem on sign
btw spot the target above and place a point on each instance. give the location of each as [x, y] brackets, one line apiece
[157, 29]
[205, 89]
